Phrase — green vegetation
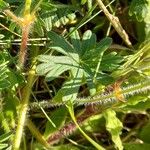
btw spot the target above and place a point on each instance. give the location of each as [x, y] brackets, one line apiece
[74, 74]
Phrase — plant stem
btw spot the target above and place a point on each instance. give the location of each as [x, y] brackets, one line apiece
[27, 7]
[23, 47]
[115, 23]
[37, 134]
[3, 26]
[71, 111]
[70, 127]
[111, 97]
[23, 108]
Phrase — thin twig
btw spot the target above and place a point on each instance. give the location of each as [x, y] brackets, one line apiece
[115, 23]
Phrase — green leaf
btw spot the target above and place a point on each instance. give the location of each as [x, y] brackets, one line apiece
[83, 2]
[2, 146]
[59, 41]
[70, 88]
[82, 54]
[58, 118]
[3, 5]
[88, 42]
[97, 51]
[103, 44]
[53, 66]
[138, 102]
[114, 126]
[56, 71]
[38, 27]
[5, 137]
[111, 61]
[75, 40]
[57, 15]
[132, 146]
[144, 134]
[4, 83]
[138, 8]
[15, 78]
[2, 36]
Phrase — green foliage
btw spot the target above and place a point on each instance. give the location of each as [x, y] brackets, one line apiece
[137, 146]
[77, 55]
[3, 5]
[114, 126]
[140, 9]
[75, 75]
[80, 57]
[58, 117]
[4, 83]
[4, 141]
[144, 134]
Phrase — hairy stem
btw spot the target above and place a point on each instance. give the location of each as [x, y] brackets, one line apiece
[103, 99]
[92, 108]
[23, 108]
[70, 127]
[111, 97]
[23, 47]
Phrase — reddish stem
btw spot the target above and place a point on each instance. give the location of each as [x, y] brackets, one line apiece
[71, 127]
[23, 47]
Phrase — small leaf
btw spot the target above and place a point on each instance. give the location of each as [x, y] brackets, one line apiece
[2, 146]
[98, 50]
[75, 40]
[48, 22]
[103, 44]
[111, 61]
[114, 126]
[4, 84]
[70, 88]
[53, 66]
[56, 71]
[88, 41]
[43, 68]
[3, 5]
[59, 41]
[58, 118]
[38, 27]
[1, 36]
[5, 137]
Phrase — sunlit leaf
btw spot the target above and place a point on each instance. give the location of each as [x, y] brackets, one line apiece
[114, 126]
